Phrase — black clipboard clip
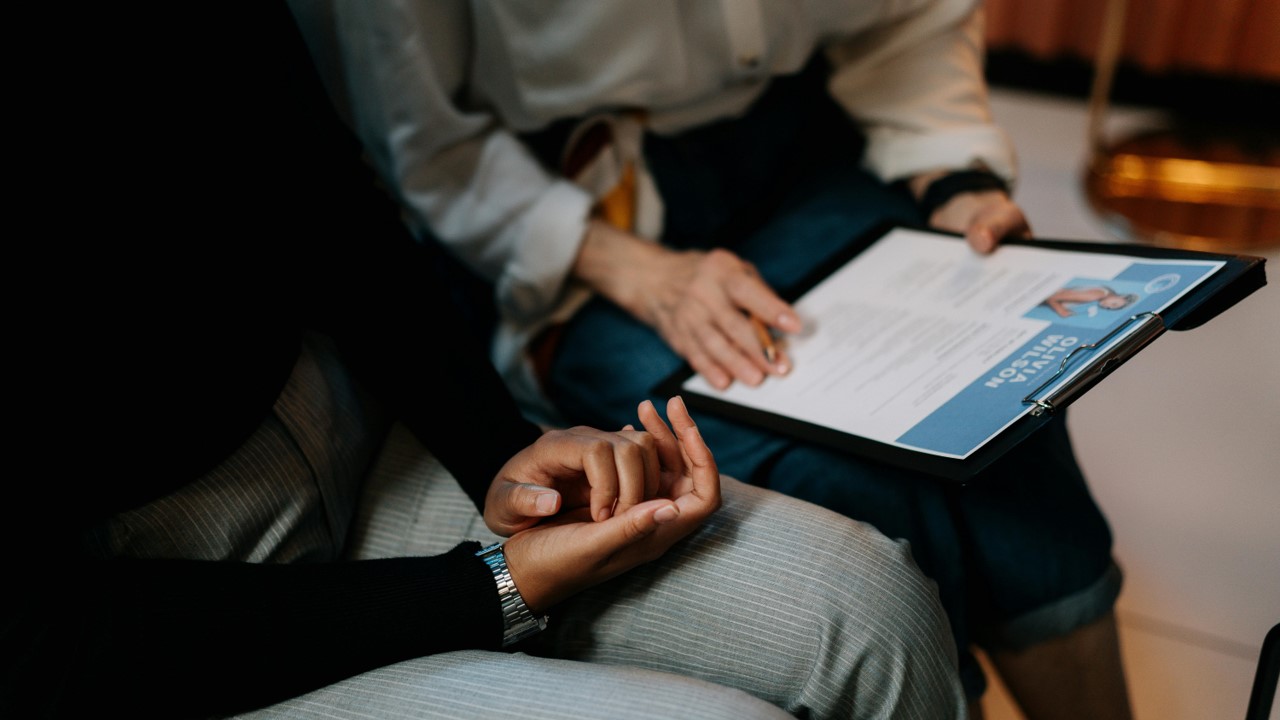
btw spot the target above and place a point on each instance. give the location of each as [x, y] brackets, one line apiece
[1150, 326]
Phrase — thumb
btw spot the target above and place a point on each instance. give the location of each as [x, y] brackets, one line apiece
[981, 237]
[520, 505]
[994, 224]
[635, 524]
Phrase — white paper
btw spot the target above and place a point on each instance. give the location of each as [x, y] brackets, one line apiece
[921, 342]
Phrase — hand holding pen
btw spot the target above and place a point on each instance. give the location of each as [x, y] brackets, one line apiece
[767, 341]
[702, 303]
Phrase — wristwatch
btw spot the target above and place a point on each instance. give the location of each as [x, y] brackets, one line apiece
[518, 622]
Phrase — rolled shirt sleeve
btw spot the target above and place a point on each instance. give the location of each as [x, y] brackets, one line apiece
[916, 85]
[911, 76]
[458, 174]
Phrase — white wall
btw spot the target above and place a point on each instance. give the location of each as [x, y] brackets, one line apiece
[1181, 446]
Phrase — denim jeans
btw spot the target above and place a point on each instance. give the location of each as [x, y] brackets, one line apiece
[1020, 554]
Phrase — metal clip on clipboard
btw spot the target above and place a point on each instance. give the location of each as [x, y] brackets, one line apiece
[1150, 326]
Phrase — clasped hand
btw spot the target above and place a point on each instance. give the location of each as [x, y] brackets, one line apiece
[582, 505]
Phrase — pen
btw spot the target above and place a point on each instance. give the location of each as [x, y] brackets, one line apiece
[766, 339]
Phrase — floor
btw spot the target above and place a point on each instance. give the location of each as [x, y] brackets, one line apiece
[1182, 449]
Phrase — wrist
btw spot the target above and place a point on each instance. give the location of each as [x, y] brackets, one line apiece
[610, 261]
[518, 621]
[935, 190]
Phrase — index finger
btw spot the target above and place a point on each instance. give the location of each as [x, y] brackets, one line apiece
[669, 457]
[702, 464]
[750, 292]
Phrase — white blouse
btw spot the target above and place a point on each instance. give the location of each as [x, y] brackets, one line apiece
[437, 89]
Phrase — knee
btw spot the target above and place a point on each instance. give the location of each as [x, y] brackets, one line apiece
[845, 567]
[887, 633]
[884, 590]
[875, 623]
[1057, 618]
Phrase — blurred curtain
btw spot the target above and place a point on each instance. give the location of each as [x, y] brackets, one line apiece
[1237, 38]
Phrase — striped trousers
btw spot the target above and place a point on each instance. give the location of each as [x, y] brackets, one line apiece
[773, 608]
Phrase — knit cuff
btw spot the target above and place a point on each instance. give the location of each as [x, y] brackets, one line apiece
[948, 186]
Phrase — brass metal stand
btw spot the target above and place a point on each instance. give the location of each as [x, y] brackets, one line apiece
[1166, 187]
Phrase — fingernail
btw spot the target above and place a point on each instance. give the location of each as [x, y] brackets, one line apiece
[666, 514]
[546, 503]
[602, 515]
[782, 368]
[788, 322]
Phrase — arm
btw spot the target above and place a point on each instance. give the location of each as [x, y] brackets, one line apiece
[481, 192]
[175, 638]
[917, 87]
[454, 169]
[181, 638]
[1058, 307]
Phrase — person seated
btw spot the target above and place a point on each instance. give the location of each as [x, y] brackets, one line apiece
[289, 446]
[629, 182]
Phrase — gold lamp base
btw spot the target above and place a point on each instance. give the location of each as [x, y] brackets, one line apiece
[1208, 194]
[1203, 190]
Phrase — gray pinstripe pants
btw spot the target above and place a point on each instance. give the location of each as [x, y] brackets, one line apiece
[773, 605]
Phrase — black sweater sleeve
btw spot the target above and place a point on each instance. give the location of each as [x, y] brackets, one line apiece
[183, 638]
[254, 218]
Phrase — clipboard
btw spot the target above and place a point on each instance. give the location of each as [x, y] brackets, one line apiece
[1083, 367]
